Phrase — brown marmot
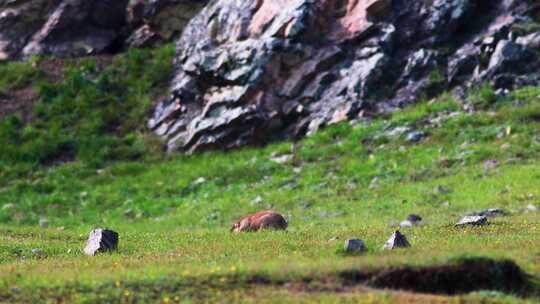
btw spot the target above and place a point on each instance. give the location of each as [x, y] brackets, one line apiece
[259, 221]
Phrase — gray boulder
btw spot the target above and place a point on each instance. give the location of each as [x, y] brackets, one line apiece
[474, 220]
[492, 212]
[354, 246]
[79, 27]
[397, 240]
[101, 240]
[414, 218]
[406, 224]
[159, 21]
[415, 136]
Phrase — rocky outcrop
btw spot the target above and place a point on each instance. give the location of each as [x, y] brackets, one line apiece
[159, 21]
[79, 27]
[257, 70]
[252, 71]
[19, 22]
[72, 28]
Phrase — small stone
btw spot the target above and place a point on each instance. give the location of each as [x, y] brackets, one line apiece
[490, 213]
[398, 131]
[355, 246]
[397, 240]
[8, 206]
[43, 223]
[415, 136]
[333, 239]
[445, 204]
[501, 92]
[490, 165]
[282, 159]
[441, 190]
[37, 251]
[101, 240]
[351, 186]
[199, 181]
[532, 208]
[374, 184]
[257, 201]
[414, 218]
[472, 220]
[406, 224]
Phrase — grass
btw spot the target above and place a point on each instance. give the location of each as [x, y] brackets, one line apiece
[94, 114]
[345, 181]
[17, 75]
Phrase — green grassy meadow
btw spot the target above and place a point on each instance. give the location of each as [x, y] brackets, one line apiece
[173, 212]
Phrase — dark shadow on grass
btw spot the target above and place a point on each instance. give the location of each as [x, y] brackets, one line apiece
[460, 277]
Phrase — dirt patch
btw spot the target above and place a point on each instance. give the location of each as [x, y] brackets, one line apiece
[457, 278]
[19, 101]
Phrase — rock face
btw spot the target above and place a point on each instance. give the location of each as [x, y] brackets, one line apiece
[159, 21]
[62, 28]
[101, 240]
[19, 22]
[257, 70]
[71, 28]
[253, 71]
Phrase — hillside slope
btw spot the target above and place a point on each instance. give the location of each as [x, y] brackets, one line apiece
[76, 153]
[440, 159]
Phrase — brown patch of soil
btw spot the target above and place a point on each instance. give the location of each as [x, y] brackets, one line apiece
[461, 277]
[20, 101]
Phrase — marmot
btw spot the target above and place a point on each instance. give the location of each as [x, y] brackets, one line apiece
[259, 221]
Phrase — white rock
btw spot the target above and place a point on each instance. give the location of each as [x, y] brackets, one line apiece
[199, 181]
[101, 240]
[406, 224]
[472, 220]
[43, 223]
[396, 240]
[532, 208]
[282, 159]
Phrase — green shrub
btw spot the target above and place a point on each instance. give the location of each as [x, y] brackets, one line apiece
[483, 97]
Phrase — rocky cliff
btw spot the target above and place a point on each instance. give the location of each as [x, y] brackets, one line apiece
[257, 70]
[71, 28]
[252, 71]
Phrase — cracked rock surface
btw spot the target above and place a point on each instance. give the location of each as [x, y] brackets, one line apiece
[248, 72]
